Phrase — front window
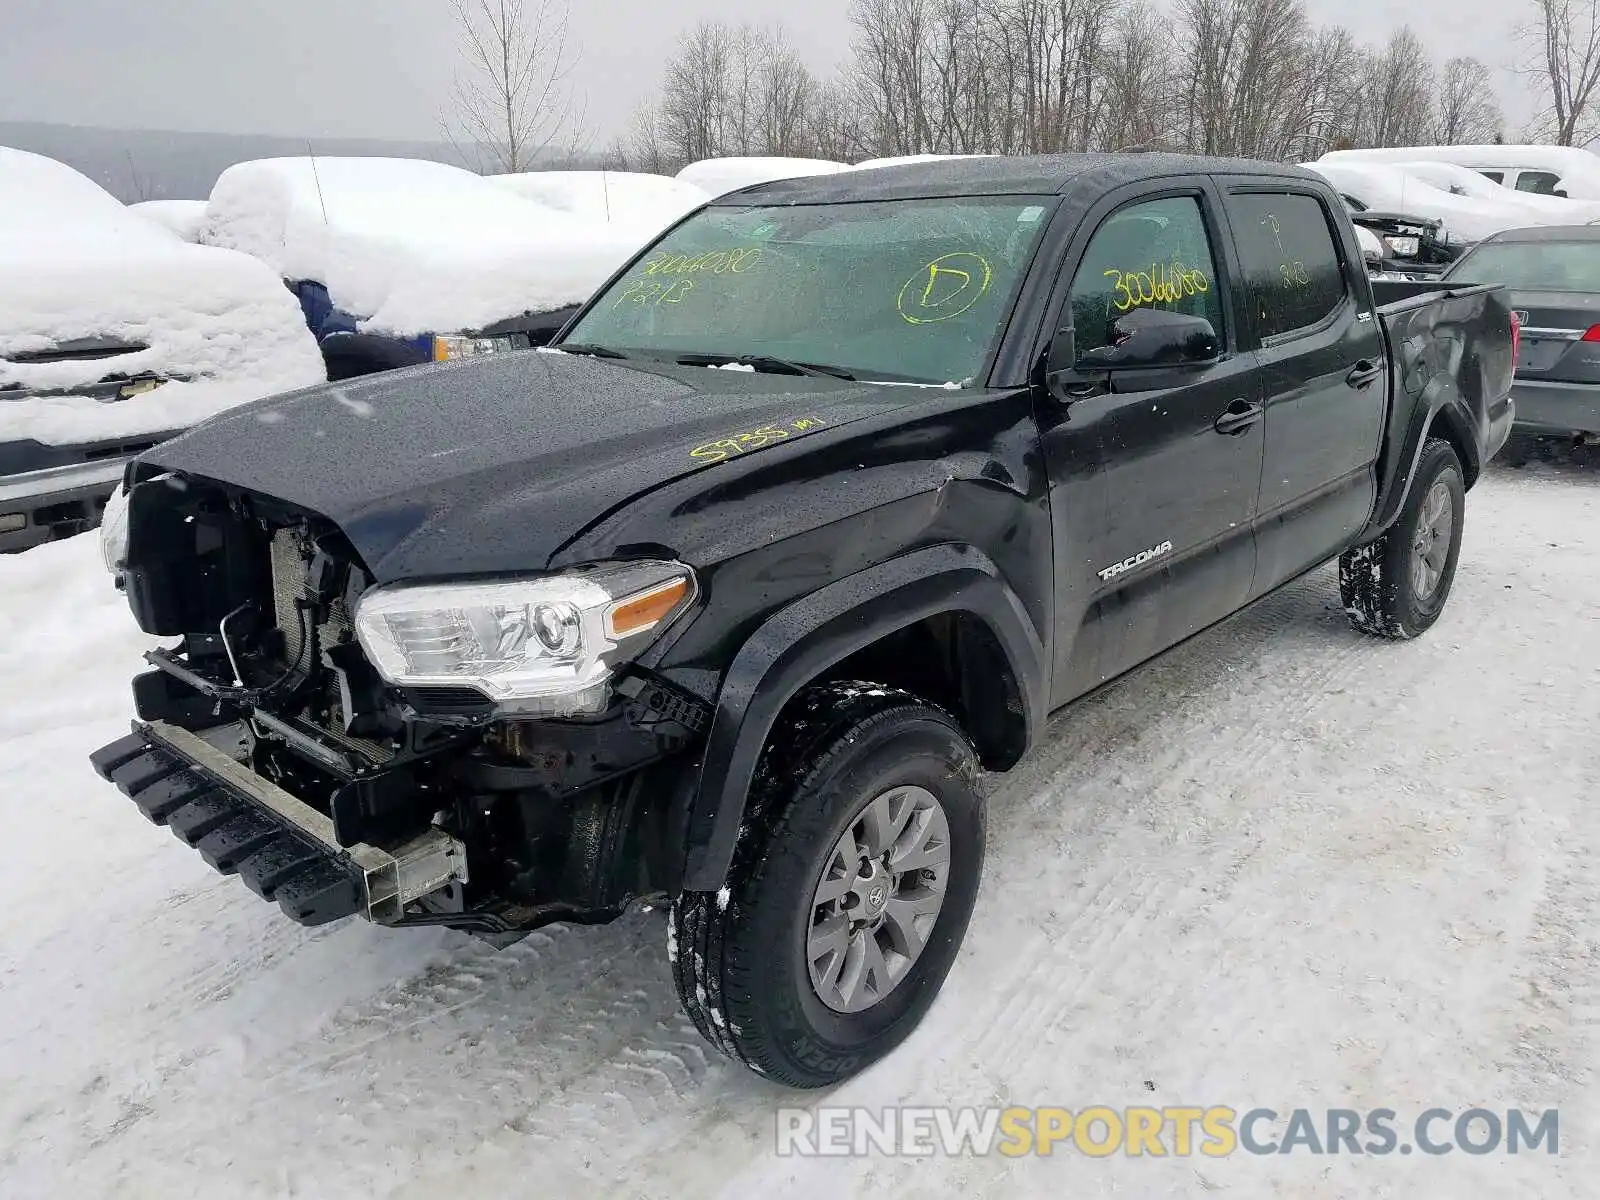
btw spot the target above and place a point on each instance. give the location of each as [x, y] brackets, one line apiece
[910, 290]
[1533, 266]
[1153, 254]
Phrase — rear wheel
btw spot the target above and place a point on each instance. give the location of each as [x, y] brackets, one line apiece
[1397, 586]
[849, 894]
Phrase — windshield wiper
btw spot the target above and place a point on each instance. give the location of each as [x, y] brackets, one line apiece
[588, 348]
[768, 363]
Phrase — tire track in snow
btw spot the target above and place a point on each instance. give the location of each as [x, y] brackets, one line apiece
[1126, 908]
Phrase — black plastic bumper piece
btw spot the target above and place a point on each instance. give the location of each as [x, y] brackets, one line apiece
[232, 833]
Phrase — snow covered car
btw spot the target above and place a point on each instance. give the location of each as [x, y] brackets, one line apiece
[543, 636]
[641, 203]
[183, 217]
[1536, 207]
[1559, 171]
[403, 261]
[115, 334]
[1385, 187]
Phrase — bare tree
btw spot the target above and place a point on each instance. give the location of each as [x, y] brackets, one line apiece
[1246, 77]
[1565, 42]
[1399, 93]
[731, 90]
[1329, 101]
[1466, 111]
[513, 96]
[1139, 112]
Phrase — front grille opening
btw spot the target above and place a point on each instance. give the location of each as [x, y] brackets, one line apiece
[118, 450]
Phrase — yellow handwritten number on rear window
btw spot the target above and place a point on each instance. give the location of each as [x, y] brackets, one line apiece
[944, 289]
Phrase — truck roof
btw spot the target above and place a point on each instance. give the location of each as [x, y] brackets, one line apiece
[1000, 175]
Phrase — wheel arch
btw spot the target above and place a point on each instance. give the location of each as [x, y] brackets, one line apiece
[802, 642]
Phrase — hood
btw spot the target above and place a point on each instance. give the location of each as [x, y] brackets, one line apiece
[492, 465]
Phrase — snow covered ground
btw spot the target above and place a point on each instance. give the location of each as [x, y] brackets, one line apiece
[1284, 866]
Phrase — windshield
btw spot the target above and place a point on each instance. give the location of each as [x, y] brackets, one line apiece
[1534, 266]
[913, 290]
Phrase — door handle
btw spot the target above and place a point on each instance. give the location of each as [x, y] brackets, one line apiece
[1238, 417]
[1363, 373]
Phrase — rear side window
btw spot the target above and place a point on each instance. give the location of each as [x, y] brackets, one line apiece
[1291, 266]
[1497, 176]
[1543, 182]
[1153, 254]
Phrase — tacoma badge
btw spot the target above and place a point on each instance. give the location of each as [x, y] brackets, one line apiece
[1136, 560]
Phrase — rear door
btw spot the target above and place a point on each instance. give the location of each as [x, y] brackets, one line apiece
[1323, 373]
[1168, 547]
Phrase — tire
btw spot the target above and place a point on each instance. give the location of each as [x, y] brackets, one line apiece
[1385, 592]
[740, 957]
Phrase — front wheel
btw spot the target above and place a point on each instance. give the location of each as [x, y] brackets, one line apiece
[849, 894]
[1397, 586]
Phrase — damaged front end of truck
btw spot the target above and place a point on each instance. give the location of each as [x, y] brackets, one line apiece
[477, 754]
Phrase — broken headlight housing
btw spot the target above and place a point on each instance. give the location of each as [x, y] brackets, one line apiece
[537, 646]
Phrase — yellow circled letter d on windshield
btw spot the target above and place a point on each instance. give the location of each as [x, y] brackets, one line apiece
[947, 287]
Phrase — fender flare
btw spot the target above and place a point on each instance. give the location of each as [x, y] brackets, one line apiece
[1445, 409]
[800, 641]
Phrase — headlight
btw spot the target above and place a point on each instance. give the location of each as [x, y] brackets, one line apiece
[114, 530]
[447, 349]
[543, 646]
[1403, 247]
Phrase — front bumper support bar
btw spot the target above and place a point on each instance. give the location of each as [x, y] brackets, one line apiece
[281, 847]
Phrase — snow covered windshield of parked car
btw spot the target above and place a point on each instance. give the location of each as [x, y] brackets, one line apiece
[1534, 266]
[908, 290]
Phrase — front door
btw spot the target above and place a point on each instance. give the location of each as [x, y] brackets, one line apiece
[1163, 545]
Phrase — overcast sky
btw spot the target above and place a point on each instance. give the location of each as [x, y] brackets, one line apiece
[382, 68]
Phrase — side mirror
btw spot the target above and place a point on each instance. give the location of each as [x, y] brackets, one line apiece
[1562, 192]
[1151, 337]
[1059, 363]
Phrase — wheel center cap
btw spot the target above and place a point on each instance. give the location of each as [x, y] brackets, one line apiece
[877, 897]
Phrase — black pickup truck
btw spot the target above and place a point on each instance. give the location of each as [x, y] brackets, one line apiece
[727, 598]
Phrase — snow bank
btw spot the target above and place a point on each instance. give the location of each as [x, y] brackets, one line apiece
[408, 245]
[183, 217]
[718, 176]
[642, 202]
[75, 263]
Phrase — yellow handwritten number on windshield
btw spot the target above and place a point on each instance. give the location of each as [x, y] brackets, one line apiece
[944, 289]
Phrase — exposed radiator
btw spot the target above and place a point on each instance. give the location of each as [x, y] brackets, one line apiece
[289, 576]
